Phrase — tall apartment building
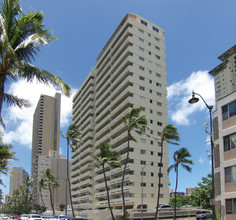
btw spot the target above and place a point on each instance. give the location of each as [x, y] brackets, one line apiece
[130, 72]
[17, 178]
[45, 148]
[224, 125]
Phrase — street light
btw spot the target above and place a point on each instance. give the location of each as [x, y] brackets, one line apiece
[194, 100]
[143, 167]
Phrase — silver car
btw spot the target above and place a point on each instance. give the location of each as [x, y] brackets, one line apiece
[34, 217]
[203, 215]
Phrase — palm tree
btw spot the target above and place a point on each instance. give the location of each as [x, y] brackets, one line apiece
[73, 137]
[107, 156]
[21, 35]
[137, 123]
[170, 135]
[5, 156]
[41, 186]
[180, 158]
[50, 183]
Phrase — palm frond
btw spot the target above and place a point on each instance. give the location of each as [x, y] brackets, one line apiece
[15, 101]
[29, 72]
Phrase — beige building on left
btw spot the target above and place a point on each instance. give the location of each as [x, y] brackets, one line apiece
[45, 151]
[17, 178]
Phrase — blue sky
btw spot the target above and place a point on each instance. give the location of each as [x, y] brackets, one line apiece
[197, 32]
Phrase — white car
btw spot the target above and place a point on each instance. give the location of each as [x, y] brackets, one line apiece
[24, 217]
[34, 217]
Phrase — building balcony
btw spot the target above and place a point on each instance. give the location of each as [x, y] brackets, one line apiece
[104, 138]
[101, 176]
[119, 138]
[101, 185]
[117, 191]
[100, 195]
[119, 180]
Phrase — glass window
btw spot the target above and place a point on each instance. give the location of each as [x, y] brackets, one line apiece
[155, 29]
[229, 110]
[230, 174]
[143, 151]
[230, 142]
[144, 22]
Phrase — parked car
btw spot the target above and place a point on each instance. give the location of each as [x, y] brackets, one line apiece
[164, 207]
[203, 215]
[34, 217]
[24, 217]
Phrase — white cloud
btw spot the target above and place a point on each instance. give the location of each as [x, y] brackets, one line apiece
[19, 121]
[180, 92]
[201, 160]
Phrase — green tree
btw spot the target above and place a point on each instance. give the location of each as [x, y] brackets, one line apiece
[180, 201]
[21, 36]
[106, 156]
[133, 122]
[41, 186]
[5, 156]
[73, 138]
[50, 183]
[170, 135]
[180, 158]
[201, 195]
[62, 207]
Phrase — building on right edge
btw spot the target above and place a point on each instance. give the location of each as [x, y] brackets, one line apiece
[224, 127]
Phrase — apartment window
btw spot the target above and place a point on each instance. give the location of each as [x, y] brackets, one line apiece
[159, 94]
[151, 121]
[230, 174]
[149, 53]
[230, 206]
[151, 131]
[158, 133]
[158, 57]
[150, 81]
[142, 108]
[142, 151]
[159, 113]
[150, 90]
[152, 184]
[142, 162]
[142, 129]
[143, 184]
[149, 35]
[149, 44]
[157, 39]
[143, 173]
[159, 123]
[141, 49]
[141, 78]
[151, 111]
[155, 29]
[131, 172]
[229, 110]
[142, 140]
[151, 152]
[142, 98]
[150, 101]
[150, 71]
[159, 104]
[152, 174]
[158, 75]
[161, 185]
[141, 31]
[161, 195]
[159, 144]
[151, 163]
[160, 174]
[144, 22]
[151, 142]
[140, 39]
[158, 48]
[159, 154]
[141, 58]
[158, 84]
[230, 142]
[152, 195]
[141, 68]
[131, 161]
[142, 88]
[160, 164]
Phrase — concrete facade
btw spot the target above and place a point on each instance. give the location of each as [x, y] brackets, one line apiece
[17, 178]
[130, 72]
[45, 150]
[224, 127]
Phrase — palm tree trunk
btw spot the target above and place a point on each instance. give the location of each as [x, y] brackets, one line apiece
[123, 179]
[50, 191]
[159, 182]
[42, 199]
[176, 185]
[2, 81]
[68, 179]
[108, 195]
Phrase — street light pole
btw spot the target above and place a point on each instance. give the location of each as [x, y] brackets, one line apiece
[192, 101]
[142, 192]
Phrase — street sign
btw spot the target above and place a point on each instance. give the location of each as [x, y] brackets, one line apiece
[212, 202]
